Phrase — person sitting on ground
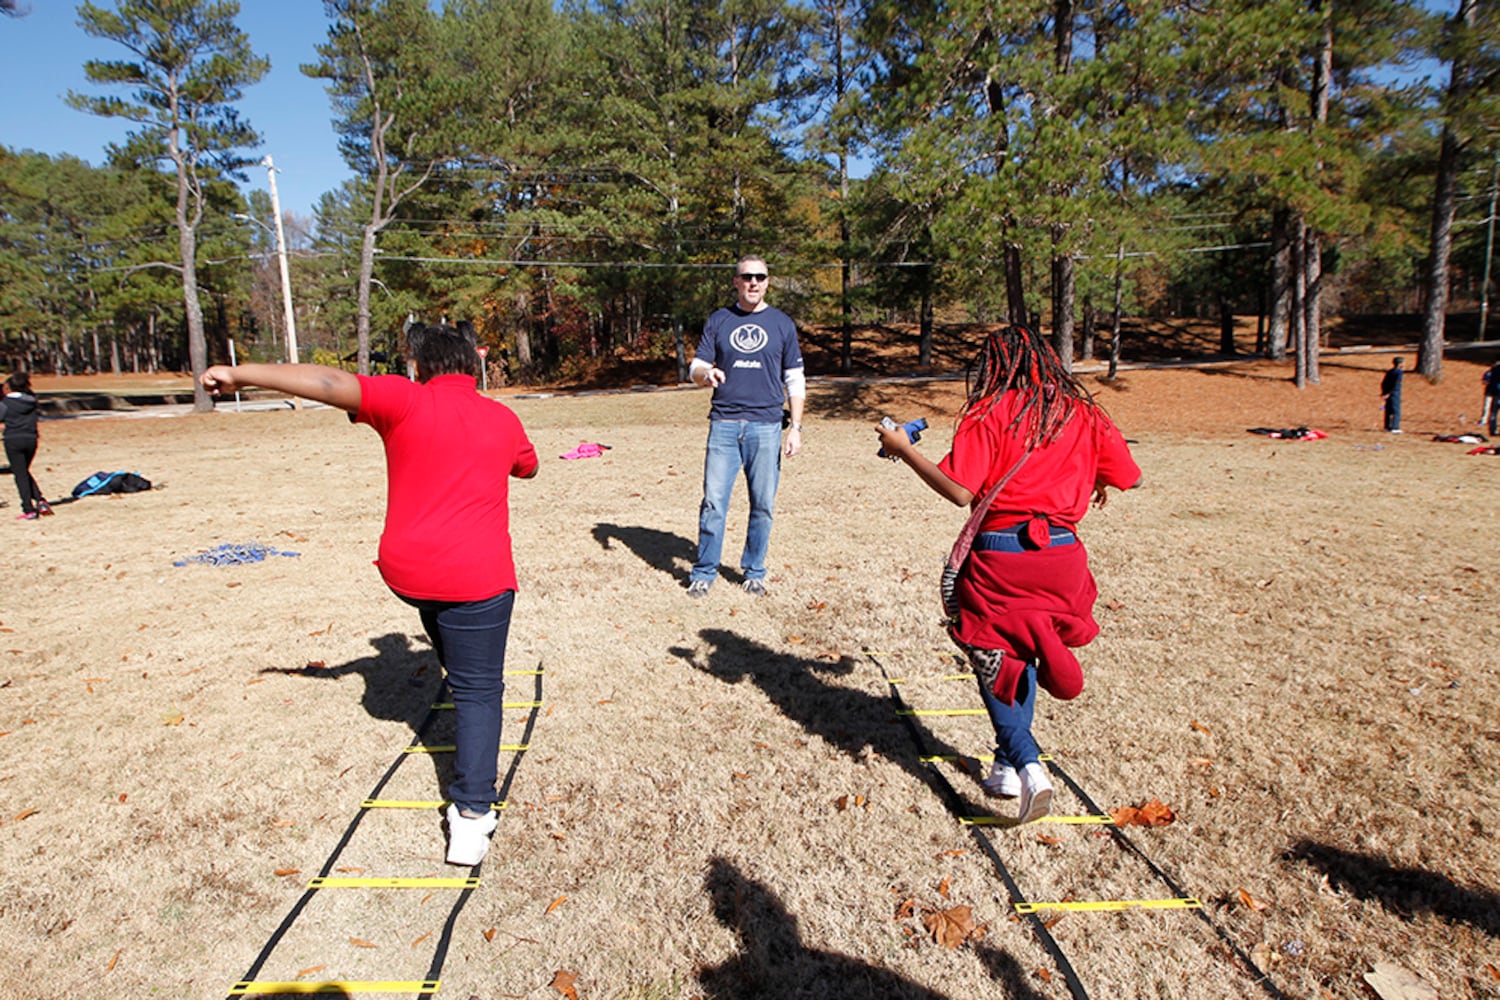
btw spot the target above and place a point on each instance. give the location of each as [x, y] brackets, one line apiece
[445, 550]
[1031, 434]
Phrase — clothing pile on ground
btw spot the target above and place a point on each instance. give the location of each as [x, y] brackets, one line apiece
[1290, 433]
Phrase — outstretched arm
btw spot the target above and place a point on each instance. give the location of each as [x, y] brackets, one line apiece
[895, 442]
[333, 386]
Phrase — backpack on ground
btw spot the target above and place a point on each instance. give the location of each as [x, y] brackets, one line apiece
[112, 482]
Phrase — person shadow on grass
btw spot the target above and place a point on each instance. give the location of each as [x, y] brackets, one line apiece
[849, 719]
[773, 962]
[402, 681]
[663, 551]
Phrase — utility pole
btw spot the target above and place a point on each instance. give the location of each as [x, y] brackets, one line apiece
[1489, 248]
[286, 277]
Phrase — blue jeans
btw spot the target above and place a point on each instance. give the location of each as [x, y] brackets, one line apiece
[754, 446]
[469, 638]
[1014, 744]
[1393, 412]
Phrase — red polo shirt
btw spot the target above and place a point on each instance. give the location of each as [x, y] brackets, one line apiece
[449, 453]
[1057, 480]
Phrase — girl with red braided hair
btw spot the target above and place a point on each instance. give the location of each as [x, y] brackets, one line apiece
[1030, 450]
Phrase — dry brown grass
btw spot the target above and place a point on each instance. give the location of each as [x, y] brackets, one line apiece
[1298, 656]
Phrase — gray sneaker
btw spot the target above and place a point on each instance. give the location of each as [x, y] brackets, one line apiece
[755, 588]
[698, 588]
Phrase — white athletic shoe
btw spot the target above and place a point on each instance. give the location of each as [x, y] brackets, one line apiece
[469, 836]
[1003, 781]
[1036, 794]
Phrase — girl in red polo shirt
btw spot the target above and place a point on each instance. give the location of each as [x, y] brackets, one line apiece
[1025, 594]
[445, 550]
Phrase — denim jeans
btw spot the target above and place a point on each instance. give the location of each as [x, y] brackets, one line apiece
[1393, 412]
[469, 638]
[754, 446]
[1014, 744]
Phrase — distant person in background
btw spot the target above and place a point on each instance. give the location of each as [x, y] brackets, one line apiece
[1491, 379]
[1390, 393]
[20, 415]
[445, 549]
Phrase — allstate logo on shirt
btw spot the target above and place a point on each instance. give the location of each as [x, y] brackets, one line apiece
[749, 338]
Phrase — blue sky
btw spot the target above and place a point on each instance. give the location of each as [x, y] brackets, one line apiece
[44, 53]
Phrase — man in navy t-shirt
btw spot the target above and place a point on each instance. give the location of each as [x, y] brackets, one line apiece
[749, 355]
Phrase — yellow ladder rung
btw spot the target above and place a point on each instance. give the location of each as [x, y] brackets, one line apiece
[342, 987]
[393, 883]
[450, 748]
[448, 705]
[415, 804]
[942, 711]
[1182, 903]
[988, 757]
[1007, 821]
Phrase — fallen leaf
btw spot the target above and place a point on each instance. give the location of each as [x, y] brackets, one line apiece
[906, 909]
[1201, 728]
[315, 664]
[362, 943]
[1392, 982]
[310, 970]
[286, 871]
[419, 940]
[951, 928]
[1263, 955]
[24, 813]
[1153, 813]
[943, 888]
[562, 982]
[172, 718]
[348, 869]
[740, 775]
[489, 935]
[1251, 902]
[112, 960]
[122, 798]
[794, 639]
[953, 853]
[1048, 839]
[1045, 975]
[816, 605]
[560, 900]
[284, 822]
[1494, 972]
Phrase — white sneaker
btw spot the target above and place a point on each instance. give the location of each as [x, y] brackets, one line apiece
[469, 836]
[1003, 781]
[1036, 794]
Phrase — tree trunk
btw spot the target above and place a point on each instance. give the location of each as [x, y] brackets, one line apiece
[1281, 286]
[1089, 321]
[1063, 296]
[1444, 201]
[924, 349]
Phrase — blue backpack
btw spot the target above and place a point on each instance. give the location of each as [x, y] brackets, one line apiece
[111, 482]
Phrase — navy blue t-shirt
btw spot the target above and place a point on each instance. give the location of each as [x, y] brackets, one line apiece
[753, 349]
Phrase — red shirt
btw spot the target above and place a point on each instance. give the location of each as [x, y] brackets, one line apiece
[449, 453]
[1057, 481]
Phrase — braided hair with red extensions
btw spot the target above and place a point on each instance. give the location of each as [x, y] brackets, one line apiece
[1018, 358]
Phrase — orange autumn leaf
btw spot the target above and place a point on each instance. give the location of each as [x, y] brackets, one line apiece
[362, 943]
[1048, 839]
[951, 928]
[419, 940]
[1251, 902]
[315, 664]
[24, 813]
[310, 970]
[122, 798]
[112, 960]
[563, 982]
[1494, 972]
[1153, 813]
[284, 822]
[560, 900]
[286, 871]
[1045, 975]
[489, 934]
[956, 852]
[740, 775]
[906, 909]
[1201, 728]
[349, 869]
[943, 888]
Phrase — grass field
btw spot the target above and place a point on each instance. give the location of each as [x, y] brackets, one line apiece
[1297, 658]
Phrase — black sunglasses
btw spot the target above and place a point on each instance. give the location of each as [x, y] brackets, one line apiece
[752, 276]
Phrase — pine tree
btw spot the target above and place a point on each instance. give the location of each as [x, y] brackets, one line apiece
[190, 63]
